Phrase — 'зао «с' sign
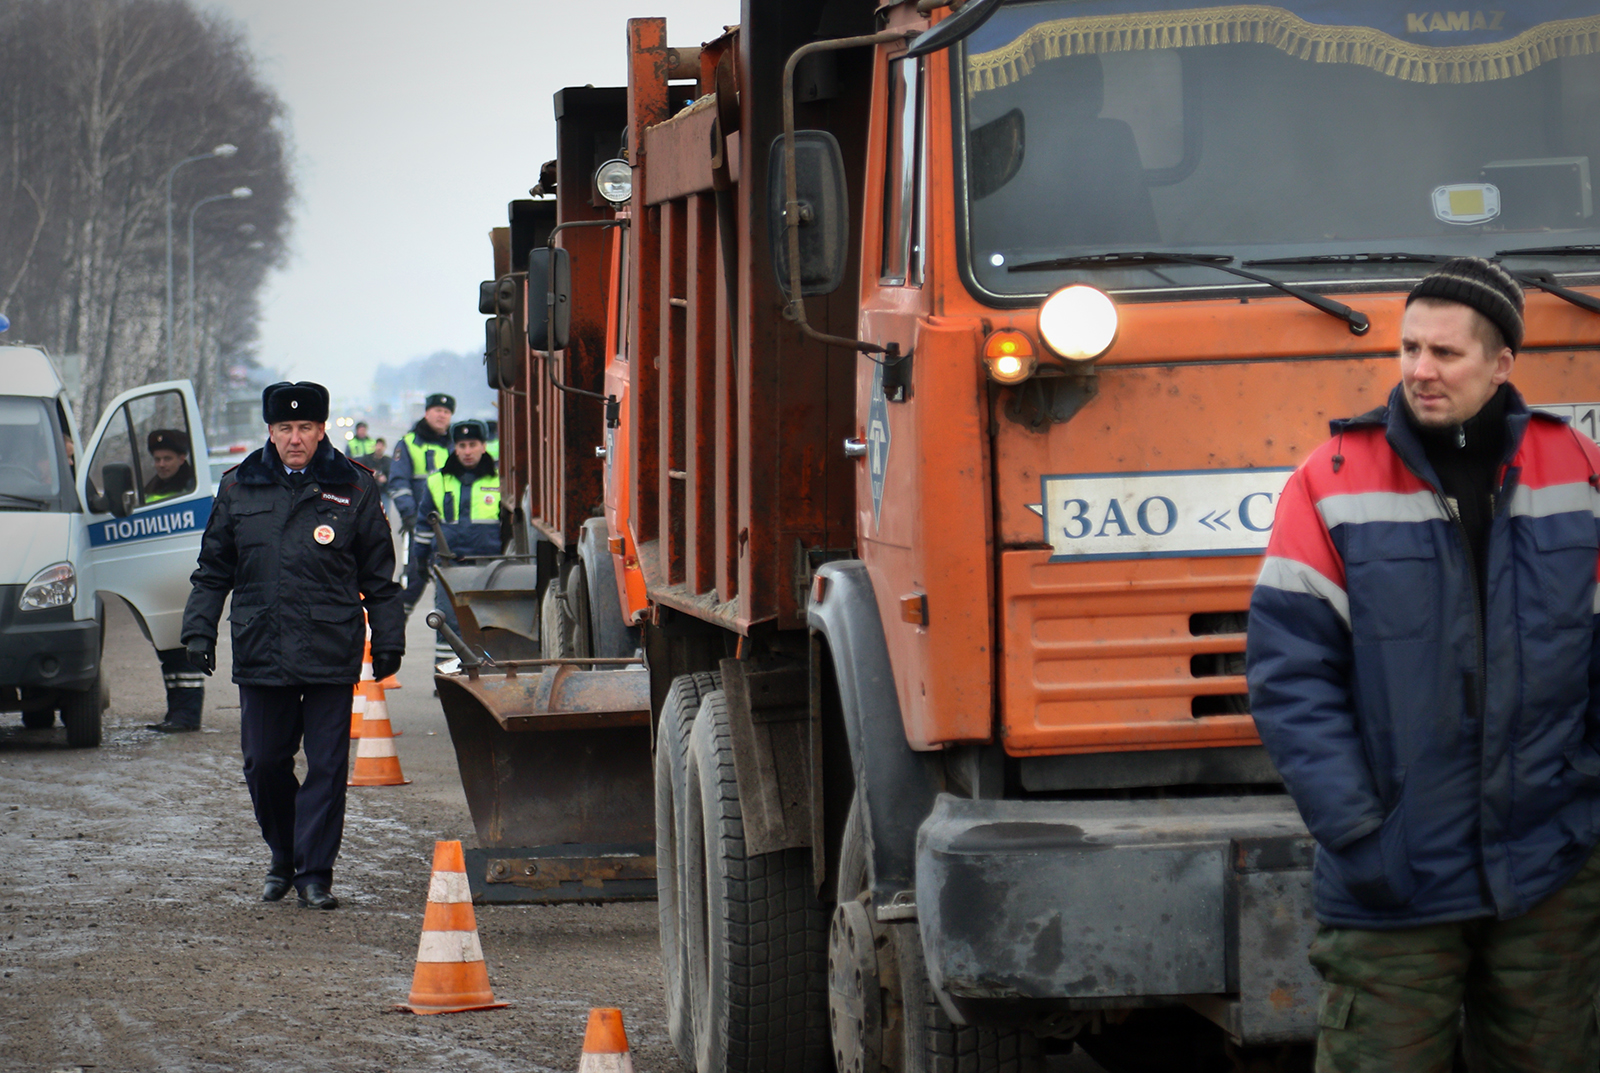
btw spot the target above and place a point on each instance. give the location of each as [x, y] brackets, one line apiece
[1144, 515]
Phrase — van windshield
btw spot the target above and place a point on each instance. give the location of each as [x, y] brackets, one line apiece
[32, 459]
[1255, 133]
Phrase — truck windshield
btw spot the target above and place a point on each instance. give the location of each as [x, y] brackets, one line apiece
[31, 456]
[1256, 133]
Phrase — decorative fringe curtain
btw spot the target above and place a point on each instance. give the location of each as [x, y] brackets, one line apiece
[1270, 25]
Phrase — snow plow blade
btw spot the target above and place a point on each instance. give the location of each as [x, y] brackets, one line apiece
[555, 760]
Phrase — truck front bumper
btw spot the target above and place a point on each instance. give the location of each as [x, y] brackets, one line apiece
[1096, 904]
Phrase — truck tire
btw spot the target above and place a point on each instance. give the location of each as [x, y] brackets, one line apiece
[905, 1028]
[671, 767]
[80, 711]
[562, 633]
[757, 932]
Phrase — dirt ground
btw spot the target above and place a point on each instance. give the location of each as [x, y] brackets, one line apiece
[132, 936]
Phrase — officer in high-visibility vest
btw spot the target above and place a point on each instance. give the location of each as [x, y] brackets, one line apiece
[174, 476]
[420, 454]
[466, 493]
[360, 445]
[186, 686]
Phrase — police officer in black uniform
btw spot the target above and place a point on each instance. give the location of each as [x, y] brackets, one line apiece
[298, 535]
[186, 686]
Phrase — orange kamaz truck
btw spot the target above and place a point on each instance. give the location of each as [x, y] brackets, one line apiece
[899, 406]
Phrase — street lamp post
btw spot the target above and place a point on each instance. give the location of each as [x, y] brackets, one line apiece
[237, 193]
[224, 150]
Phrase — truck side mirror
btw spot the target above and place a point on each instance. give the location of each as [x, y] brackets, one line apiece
[120, 492]
[823, 207]
[549, 311]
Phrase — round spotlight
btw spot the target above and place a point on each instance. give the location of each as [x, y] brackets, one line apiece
[1078, 322]
[614, 180]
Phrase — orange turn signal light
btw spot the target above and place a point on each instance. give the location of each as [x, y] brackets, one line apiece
[1010, 356]
[914, 609]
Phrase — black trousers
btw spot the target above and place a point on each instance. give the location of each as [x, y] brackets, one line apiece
[302, 824]
[186, 686]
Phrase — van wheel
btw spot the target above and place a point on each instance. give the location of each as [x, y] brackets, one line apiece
[672, 750]
[757, 932]
[80, 711]
[882, 1011]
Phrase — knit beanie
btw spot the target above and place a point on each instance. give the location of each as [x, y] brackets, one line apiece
[1483, 286]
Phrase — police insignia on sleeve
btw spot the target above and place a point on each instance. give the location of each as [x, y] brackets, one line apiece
[323, 534]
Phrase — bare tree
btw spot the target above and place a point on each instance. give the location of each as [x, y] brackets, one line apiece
[101, 99]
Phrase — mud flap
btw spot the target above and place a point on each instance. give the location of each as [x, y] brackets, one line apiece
[558, 775]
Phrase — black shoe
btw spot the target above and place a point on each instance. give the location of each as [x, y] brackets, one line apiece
[275, 888]
[167, 726]
[316, 896]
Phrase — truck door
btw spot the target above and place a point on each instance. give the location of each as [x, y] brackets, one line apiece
[144, 547]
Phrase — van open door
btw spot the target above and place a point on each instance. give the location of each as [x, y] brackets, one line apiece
[147, 492]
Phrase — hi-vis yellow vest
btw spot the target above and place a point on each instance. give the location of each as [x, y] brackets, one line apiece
[426, 458]
[484, 493]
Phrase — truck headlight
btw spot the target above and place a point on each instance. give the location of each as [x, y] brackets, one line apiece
[614, 180]
[54, 586]
[1078, 322]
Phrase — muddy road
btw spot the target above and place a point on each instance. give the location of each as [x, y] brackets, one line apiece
[132, 935]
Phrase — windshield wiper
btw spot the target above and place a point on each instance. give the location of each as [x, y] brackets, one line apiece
[1527, 279]
[1357, 321]
[36, 504]
[1551, 251]
[1353, 259]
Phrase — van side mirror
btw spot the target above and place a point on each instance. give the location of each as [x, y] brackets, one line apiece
[120, 493]
[549, 312]
[823, 207]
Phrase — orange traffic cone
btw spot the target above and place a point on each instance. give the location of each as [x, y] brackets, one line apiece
[358, 700]
[605, 1044]
[390, 681]
[377, 763]
[451, 975]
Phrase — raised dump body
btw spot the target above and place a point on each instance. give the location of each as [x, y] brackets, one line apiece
[942, 576]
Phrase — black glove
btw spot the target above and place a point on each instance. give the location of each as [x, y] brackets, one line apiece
[384, 664]
[202, 654]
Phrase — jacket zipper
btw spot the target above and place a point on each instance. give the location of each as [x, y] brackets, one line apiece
[1481, 690]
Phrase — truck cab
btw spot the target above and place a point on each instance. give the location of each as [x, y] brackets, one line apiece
[81, 521]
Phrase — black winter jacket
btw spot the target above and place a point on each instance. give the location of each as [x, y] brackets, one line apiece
[300, 563]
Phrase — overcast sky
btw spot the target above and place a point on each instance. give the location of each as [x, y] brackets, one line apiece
[401, 162]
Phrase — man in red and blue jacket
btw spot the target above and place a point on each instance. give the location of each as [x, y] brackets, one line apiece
[1424, 665]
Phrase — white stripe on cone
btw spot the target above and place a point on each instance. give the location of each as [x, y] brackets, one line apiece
[606, 1063]
[449, 946]
[373, 748]
[358, 703]
[377, 709]
[449, 887]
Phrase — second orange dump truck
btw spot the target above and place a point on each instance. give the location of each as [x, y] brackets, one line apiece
[898, 395]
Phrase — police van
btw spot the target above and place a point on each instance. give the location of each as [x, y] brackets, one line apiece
[82, 521]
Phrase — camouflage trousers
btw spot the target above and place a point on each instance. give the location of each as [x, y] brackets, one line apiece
[1514, 994]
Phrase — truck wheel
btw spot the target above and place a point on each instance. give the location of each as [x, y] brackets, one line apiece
[562, 634]
[672, 749]
[882, 1011]
[609, 635]
[80, 711]
[756, 930]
